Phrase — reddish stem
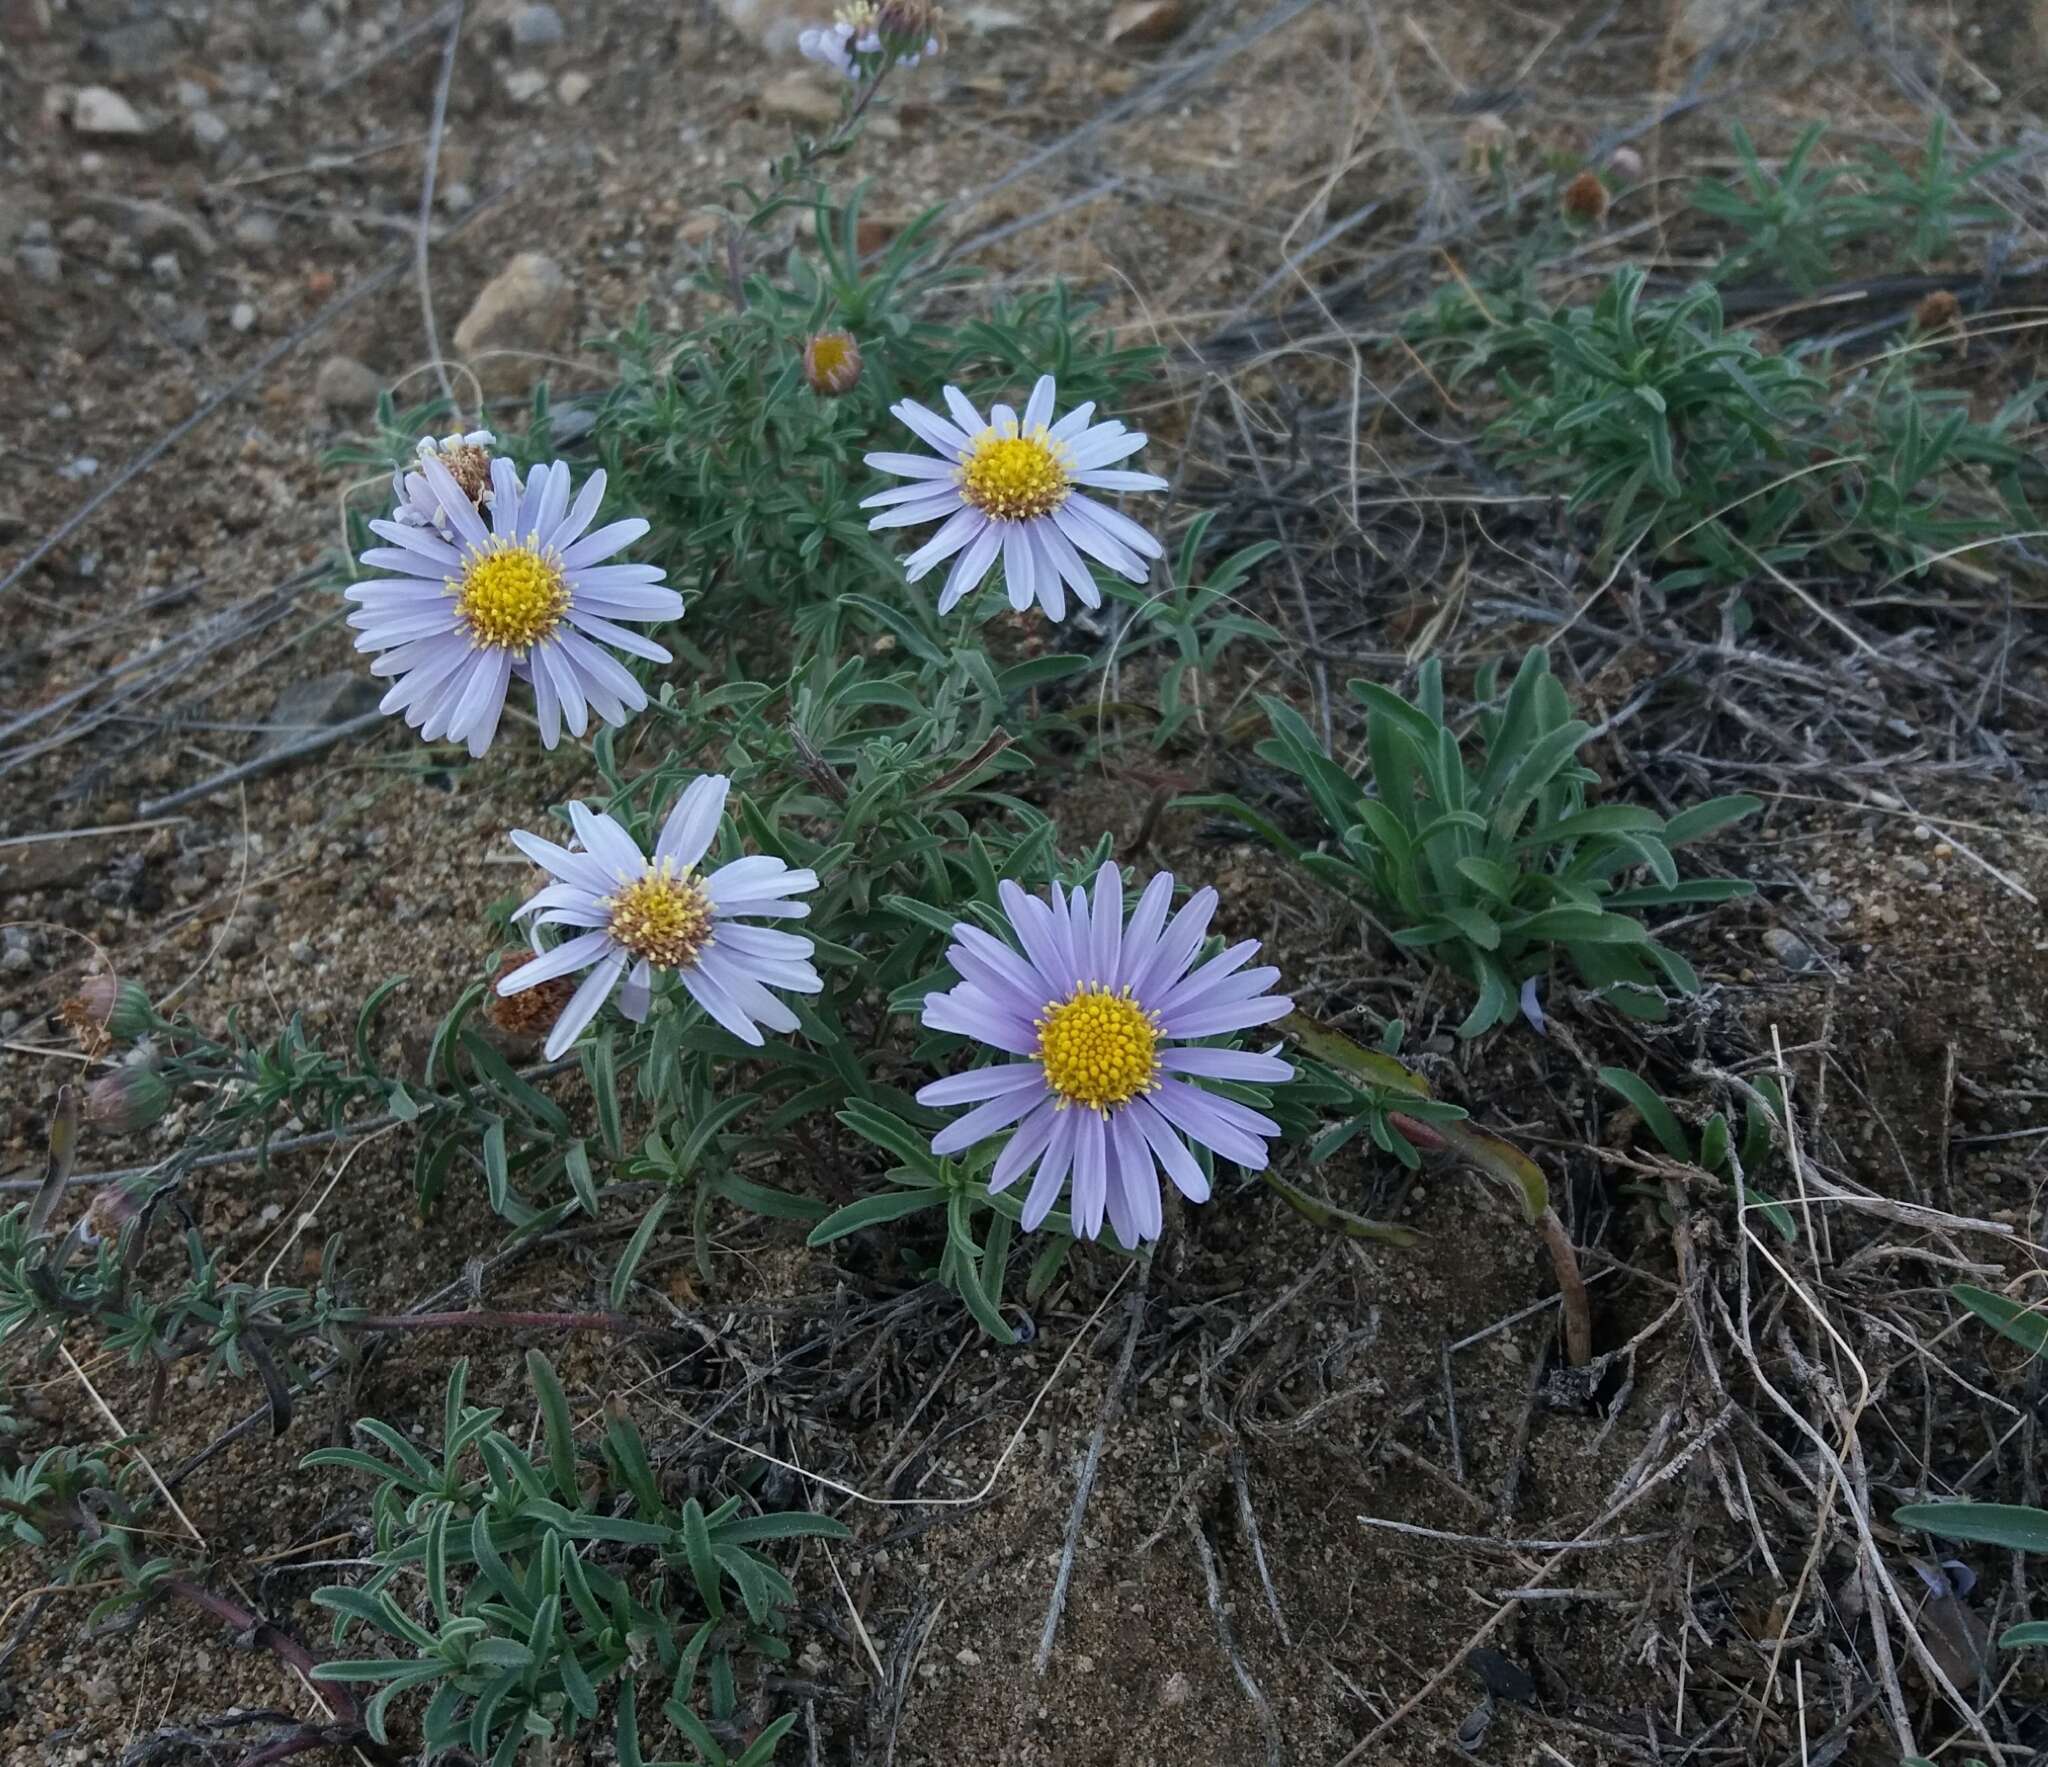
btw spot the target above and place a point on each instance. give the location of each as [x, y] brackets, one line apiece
[280, 1643]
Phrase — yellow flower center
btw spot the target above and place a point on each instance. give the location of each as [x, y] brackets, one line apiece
[1098, 1048]
[663, 916]
[1015, 477]
[511, 597]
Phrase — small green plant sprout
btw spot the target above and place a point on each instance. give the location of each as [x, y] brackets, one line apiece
[546, 1577]
[1372, 1089]
[2017, 1527]
[1787, 220]
[1919, 203]
[1495, 867]
[1676, 430]
[1716, 1151]
[979, 1226]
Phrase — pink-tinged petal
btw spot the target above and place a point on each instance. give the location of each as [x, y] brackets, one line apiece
[1023, 1147]
[1171, 1152]
[584, 1005]
[971, 421]
[593, 548]
[1038, 408]
[1134, 1207]
[1088, 453]
[720, 1005]
[987, 1119]
[978, 1084]
[638, 993]
[910, 466]
[1121, 481]
[686, 835]
[571, 954]
[1107, 951]
[1239, 1015]
[1091, 1174]
[609, 844]
[1116, 525]
[579, 869]
[962, 526]
[1074, 423]
[1176, 947]
[1053, 1168]
[968, 569]
[1141, 937]
[1227, 1064]
[581, 513]
[1090, 538]
[930, 428]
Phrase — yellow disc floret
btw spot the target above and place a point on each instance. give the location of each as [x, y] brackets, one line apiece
[1015, 477]
[663, 916]
[1098, 1048]
[511, 596]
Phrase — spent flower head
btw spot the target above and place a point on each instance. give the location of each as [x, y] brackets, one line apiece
[832, 364]
[468, 609]
[636, 915]
[1015, 488]
[106, 1009]
[1099, 1012]
[466, 455]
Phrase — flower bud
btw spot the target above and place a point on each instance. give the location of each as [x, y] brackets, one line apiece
[105, 1007]
[1937, 312]
[128, 1099]
[1585, 200]
[832, 364]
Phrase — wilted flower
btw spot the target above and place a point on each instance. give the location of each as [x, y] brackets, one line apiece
[909, 29]
[1937, 312]
[659, 914]
[1012, 487]
[468, 460]
[832, 364]
[1092, 1006]
[130, 1098]
[106, 1009]
[529, 597]
[1585, 200]
[528, 1014]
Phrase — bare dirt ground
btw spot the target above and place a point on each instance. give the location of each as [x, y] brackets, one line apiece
[1346, 1504]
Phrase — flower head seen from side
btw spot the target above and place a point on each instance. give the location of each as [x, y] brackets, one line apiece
[634, 914]
[1103, 1093]
[467, 607]
[467, 456]
[1015, 488]
[853, 43]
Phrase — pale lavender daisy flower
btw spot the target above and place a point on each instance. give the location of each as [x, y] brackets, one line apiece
[467, 456]
[861, 31]
[643, 915]
[1013, 487]
[1093, 1007]
[469, 608]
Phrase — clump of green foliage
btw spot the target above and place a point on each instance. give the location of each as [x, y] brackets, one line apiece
[1498, 864]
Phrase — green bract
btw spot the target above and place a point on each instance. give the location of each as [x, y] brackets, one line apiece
[1493, 868]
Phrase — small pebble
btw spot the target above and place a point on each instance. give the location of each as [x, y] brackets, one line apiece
[242, 316]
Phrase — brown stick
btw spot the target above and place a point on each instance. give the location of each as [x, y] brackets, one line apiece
[1578, 1312]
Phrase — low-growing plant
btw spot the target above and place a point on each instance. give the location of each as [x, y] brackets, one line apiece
[1787, 220]
[1715, 1150]
[1494, 866]
[544, 1579]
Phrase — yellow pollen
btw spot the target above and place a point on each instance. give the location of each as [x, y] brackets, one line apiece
[1098, 1048]
[1015, 477]
[663, 916]
[511, 596]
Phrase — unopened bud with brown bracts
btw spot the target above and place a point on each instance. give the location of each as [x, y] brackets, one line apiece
[1939, 312]
[1585, 200]
[128, 1099]
[832, 364]
[106, 1010]
[913, 25]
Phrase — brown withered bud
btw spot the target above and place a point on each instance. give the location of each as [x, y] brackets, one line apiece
[1938, 312]
[531, 1014]
[106, 1010]
[832, 364]
[1585, 200]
